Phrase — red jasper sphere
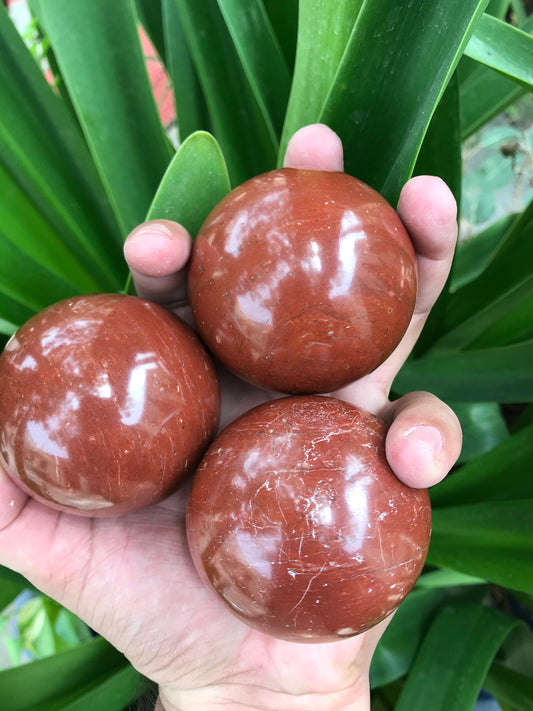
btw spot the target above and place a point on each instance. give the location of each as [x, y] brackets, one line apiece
[108, 401]
[302, 281]
[299, 524]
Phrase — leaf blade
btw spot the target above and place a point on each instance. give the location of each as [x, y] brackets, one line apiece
[383, 123]
[490, 540]
[323, 31]
[112, 98]
[503, 374]
[191, 110]
[238, 124]
[450, 668]
[195, 181]
[504, 48]
[260, 56]
[44, 157]
[35, 683]
[493, 476]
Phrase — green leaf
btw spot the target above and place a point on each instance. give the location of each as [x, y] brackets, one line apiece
[518, 11]
[524, 419]
[384, 698]
[13, 647]
[391, 78]
[9, 576]
[261, 57]
[64, 673]
[9, 589]
[498, 8]
[504, 48]
[12, 314]
[400, 642]
[483, 427]
[491, 540]
[502, 374]
[473, 255]
[485, 93]
[45, 627]
[509, 265]
[446, 578]
[440, 153]
[494, 476]
[35, 623]
[510, 687]
[34, 294]
[70, 629]
[6, 328]
[191, 109]
[247, 141]
[283, 16]
[196, 180]
[452, 664]
[112, 97]
[151, 16]
[323, 32]
[47, 170]
[511, 320]
[108, 693]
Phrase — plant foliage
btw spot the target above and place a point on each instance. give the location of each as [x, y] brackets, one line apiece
[84, 158]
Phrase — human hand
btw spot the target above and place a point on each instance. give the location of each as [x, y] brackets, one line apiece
[131, 578]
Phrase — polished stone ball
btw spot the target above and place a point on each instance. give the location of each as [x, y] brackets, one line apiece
[302, 281]
[298, 523]
[108, 401]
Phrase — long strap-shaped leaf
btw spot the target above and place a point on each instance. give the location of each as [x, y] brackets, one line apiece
[492, 540]
[451, 666]
[396, 65]
[28, 685]
[44, 157]
[505, 269]
[398, 646]
[323, 30]
[28, 230]
[501, 322]
[111, 692]
[502, 374]
[28, 283]
[484, 95]
[248, 141]
[191, 109]
[510, 687]
[283, 16]
[98, 51]
[261, 57]
[511, 264]
[504, 48]
[440, 153]
[495, 475]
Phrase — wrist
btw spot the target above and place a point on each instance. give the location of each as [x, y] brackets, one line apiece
[352, 699]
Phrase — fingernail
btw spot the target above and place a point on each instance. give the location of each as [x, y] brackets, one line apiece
[428, 438]
[150, 228]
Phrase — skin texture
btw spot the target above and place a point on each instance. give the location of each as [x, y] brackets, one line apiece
[132, 578]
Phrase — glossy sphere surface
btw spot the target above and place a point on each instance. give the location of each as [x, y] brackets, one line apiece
[299, 524]
[302, 281]
[107, 402]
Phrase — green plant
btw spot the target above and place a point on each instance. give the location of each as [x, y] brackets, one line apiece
[404, 84]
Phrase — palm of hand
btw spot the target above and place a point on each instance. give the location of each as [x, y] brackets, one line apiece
[132, 579]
